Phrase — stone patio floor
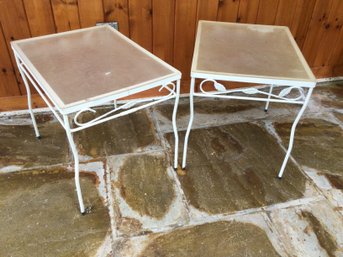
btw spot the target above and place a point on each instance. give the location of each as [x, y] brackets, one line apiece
[229, 202]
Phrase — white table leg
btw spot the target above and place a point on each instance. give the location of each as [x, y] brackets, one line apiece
[76, 161]
[29, 102]
[191, 105]
[291, 138]
[267, 103]
[176, 104]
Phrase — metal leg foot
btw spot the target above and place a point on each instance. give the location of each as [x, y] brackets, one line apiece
[269, 95]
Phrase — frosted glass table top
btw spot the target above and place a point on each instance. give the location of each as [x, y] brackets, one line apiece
[82, 65]
[246, 50]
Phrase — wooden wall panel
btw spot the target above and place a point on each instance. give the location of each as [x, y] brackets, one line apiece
[267, 10]
[167, 27]
[207, 9]
[8, 81]
[10, 11]
[247, 12]
[40, 17]
[228, 10]
[66, 15]
[90, 12]
[184, 38]
[163, 21]
[140, 18]
[285, 12]
[118, 10]
[301, 20]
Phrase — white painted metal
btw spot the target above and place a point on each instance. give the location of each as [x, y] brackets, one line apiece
[267, 103]
[29, 102]
[76, 162]
[191, 117]
[176, 136]
[62, 111]
[291, 138]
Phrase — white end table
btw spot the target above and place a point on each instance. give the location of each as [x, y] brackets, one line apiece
[260, 54]
[78, 70]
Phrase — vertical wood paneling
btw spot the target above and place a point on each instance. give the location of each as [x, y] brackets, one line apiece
[167, 27]
[207, 10]
[66, 15]
[228, 10]
[8, 82]
[90, 12]
[185, 19]
[316, 30]
[336, 59]
[301, 21]
[332, 28]
[140, 18]
[247, 12]
[285, 12]
[40, 17]
[14, 11]
[118, 10]
[267, 11]
[163, 21]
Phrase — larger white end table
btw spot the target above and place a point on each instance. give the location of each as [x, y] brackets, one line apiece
[249, 53]
[78, 70]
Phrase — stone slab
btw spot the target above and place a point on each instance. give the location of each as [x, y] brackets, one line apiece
[40, 215]
[310, 230]
[234, 167]
[145, 196]
[318, 144]
[128, 134]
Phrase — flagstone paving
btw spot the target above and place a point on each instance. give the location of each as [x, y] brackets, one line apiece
[228, 202]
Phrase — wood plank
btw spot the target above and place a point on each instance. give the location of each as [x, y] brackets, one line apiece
[8, 81]
[163, 21]
[66, 15]
[301, 21]
[118, 10]
[140, 18]
[11, 11]
[332, 28]
[267, 12]
[207, 10]
[285, 12]
[247, 12]
[228, 10]
[184, 38]
[316, 30]
[90, 12]
[40, 17]
[322, 72]
[336, 58]
[20, 102]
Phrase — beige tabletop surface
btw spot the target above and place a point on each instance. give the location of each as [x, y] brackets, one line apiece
[248, 50]
[87, 64]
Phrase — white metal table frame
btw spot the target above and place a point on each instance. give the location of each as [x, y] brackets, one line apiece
[304, 90]
[169, 83]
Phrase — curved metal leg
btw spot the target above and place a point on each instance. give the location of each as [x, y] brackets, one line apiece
[191, 104]
[267, 103]
[29, 103]
[76, 161]
[291, 138]
[176, 104]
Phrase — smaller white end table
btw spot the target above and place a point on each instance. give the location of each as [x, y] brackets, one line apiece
[260, 54]
[77, 70]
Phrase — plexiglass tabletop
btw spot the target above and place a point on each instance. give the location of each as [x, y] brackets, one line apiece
[246, 50]
[80, 65]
